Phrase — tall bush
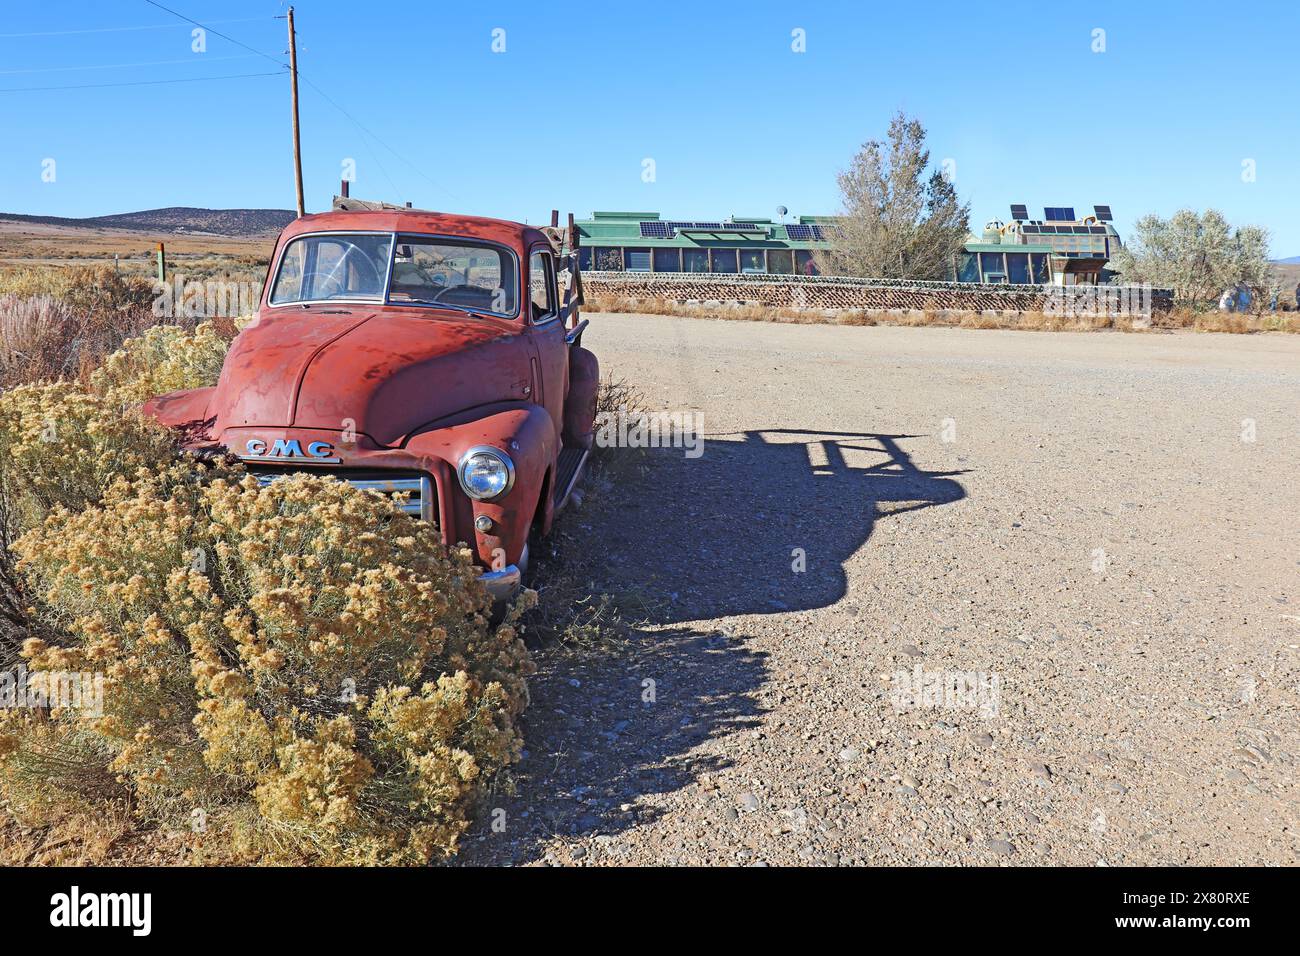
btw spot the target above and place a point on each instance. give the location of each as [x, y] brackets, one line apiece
[302, 667]
[33, 339]
[900, 219]
[60, 447]
[302, 663]
[1198, 255]
[62, 444]
[165, 358]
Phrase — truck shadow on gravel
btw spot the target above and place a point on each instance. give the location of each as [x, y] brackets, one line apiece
[611, 729]
[723, 534]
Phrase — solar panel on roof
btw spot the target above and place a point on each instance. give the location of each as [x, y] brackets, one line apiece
[802, 233]
[1030, 229]
[1019, 211]
[1097, 230]
[656, 230]
[1103, 213]
[1059, 213]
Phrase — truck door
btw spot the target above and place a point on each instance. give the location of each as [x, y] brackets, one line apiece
[546, 332]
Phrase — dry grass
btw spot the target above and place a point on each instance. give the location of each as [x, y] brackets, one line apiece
[1025, 321]
[26, 240]
[111, 836]
[60, 324]
[33, 334]
[569, 612]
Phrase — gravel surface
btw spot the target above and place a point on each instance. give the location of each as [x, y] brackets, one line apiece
[1072, 524]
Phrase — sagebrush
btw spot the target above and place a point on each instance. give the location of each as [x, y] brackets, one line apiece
[302, 667]
[302, 663]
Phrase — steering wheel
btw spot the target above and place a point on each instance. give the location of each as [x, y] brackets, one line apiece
[332, 275]
[327, 277]
[437, 297]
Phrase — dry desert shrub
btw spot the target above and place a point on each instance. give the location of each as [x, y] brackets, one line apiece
[302, 663]
[618, 394]
[28, 281]
[101, 290]
[166, 358]
[59, 323]
[982, 320]
[60, 447]
[302, 666]
[61, 444]
[34, 339]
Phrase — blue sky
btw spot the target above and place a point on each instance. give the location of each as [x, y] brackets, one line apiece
[735, 121]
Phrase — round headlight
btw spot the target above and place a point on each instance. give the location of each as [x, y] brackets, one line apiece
[486, 473]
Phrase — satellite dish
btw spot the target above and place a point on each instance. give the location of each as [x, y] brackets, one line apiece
[781, 210]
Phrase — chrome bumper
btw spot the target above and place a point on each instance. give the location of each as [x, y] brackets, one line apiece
[419, 500]
[502, 585]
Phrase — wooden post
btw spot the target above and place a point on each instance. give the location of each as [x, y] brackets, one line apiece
[293, 94]
[162, 263]
[575, 284]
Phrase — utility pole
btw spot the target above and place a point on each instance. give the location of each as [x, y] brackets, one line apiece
[293, 86]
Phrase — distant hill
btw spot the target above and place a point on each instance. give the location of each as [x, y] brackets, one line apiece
[221, 222]
[1293, 261]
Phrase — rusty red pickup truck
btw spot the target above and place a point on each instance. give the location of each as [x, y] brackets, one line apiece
[431, 356]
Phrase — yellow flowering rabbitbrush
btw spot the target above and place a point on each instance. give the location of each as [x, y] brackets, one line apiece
[303, 662]
[60, 445]
[166, 358]
[302, 667]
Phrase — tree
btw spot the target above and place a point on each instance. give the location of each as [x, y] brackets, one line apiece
[896, 223]
[1197, 255]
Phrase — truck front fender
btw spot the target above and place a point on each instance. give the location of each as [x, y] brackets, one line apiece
[526, 434]
[177, 409]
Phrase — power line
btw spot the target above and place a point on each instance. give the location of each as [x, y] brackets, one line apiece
[117, 66]
[358, 125]
[355, 122]
[149, 26]
[367, 132]
[154, 3]
[101, 86]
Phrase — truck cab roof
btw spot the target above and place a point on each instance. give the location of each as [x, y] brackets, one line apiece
[397, 219]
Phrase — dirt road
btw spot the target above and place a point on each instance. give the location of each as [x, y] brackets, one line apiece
[1091, 540]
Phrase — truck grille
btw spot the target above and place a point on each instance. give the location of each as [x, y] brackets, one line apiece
[420, 500]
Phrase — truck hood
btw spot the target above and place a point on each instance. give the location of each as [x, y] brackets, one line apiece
[381, 372]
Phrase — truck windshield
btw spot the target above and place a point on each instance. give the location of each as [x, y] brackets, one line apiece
[334, 266]
[426, 270]
[448, 272]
